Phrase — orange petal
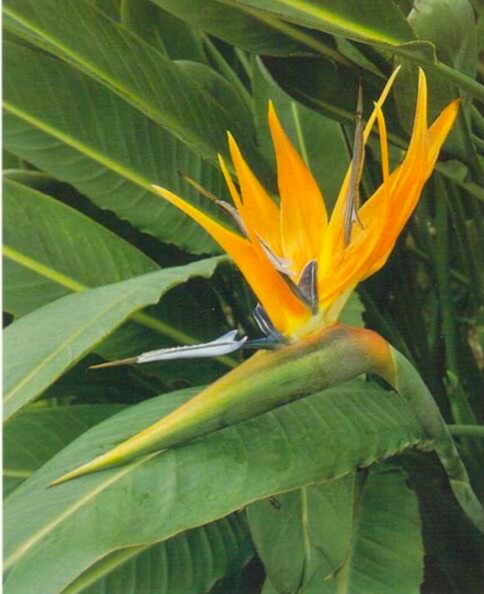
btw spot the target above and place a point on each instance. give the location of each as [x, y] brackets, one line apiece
[230, 184]
[439, 130]
[303, 213]
[405, 183]
[379, 103]
[382, 133]
[420, 120]
[408, 181]
[436, 136]
[383, 222]
[258, 210]
[284, 309]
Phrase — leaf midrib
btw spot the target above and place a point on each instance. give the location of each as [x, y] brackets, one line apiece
[69, 283]
[90, 67]
[61, 346]
[82, 148]
[322, 13]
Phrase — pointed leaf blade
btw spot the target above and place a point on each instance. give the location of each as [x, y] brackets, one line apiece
[43, 344]
[315, 439]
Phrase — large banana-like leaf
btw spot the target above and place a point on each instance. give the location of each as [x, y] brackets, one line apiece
[233, 25]
[42, 345]
[452, 28]
[362, 21]
[304, 531]
[319, 438]
[163, 31]
[384, 540]
[97, 142]
[111, 96]
[349, 18]
[134, 70]
[215, 550]
[35, 436]
[189, 562]
[53, 249]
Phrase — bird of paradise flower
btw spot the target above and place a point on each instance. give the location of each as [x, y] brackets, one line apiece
[303, 265]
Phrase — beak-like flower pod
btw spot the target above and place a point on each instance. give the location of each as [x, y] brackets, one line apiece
[263, 382]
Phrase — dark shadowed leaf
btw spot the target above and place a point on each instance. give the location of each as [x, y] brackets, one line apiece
[233, 25]
[162, 30]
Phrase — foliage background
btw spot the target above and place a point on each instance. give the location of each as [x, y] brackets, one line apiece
[103, 98]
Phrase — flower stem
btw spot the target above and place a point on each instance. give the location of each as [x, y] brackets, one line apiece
[467, 430]
[410, 385]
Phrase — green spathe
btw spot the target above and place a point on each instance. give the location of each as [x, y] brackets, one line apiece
[410, 385]
[263, 382]
[267, 380]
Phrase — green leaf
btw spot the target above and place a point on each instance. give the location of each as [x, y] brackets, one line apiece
[319, 438]
[217, 86]
[34, 436]
[246, 581]
[323, 86]
[215, 550]
[386, 553]
[452, 28]
[10, 161]
[109, 151]
[233, 25]
[340, 537]
[190, 313]
[163, 31]
[78, 386]
[352, 313]
[348, 18]
[53, 249]
[304, 531]
[110, 7]
[40, 346]
[362, 22]
[450, 25]
[190, 562]
[134, 70]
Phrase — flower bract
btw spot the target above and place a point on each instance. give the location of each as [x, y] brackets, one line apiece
[302, 263]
